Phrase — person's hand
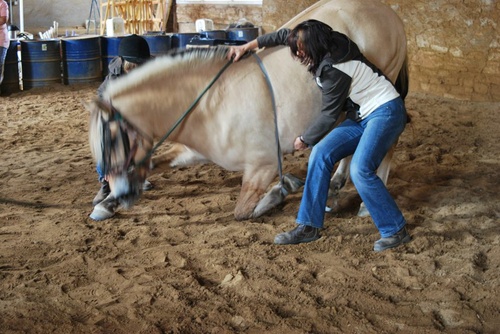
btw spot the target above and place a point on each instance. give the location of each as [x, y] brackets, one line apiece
[299, 144]
[237, 51]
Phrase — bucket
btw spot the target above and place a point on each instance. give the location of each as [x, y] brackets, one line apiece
[181, 40]
[81, 59]
[109, 50]
[158, 44]
[243, 34]
[41, 63]
[204, 24]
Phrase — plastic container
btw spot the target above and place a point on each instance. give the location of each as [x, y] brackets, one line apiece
[41, 63]
[214, 34]
[115, 26]
[181, 40]
[109, 50]
[243, 34]
[158, 44]
[81, 59]
[204, 24]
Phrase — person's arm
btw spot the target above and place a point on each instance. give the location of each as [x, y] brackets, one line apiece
[335, 89]
[237, 51]
[267, 40]
[4, 16]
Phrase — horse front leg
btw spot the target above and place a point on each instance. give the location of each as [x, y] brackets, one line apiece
[254, 185]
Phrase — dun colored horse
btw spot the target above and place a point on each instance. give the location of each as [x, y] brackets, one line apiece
[233, 124]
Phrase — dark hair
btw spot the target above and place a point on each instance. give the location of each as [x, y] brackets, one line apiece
[317, 40]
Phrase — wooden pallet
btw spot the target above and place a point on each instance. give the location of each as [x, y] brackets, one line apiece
[140, 16]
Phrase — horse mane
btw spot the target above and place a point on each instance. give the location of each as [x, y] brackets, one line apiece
[176, 61]
[99, 113]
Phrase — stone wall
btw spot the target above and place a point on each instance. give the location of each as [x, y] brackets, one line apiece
[40, 14]
[454, 45]
[221, 15]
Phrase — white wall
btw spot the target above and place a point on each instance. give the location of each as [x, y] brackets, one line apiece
[40, 14]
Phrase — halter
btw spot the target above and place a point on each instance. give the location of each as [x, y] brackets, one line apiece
[125, 132]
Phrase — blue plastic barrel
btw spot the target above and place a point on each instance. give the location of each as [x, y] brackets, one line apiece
[243, 34]
[158, 44]
[81, 59]
[181, 40]
[41, 63]
[10, 83]
[109, 50]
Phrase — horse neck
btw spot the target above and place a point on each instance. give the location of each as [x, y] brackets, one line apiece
[155, 105]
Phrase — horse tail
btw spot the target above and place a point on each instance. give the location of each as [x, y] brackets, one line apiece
[402, 83]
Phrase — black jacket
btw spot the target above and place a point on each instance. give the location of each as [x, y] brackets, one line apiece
[340, 92]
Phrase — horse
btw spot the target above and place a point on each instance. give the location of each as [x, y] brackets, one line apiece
[233, 124]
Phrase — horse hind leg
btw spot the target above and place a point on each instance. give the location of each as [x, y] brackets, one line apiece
[178, 155]
[337, 182]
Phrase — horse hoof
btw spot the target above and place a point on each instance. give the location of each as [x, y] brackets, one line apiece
[102, 212]
[273, 197]
[292, 183]
[363, 211]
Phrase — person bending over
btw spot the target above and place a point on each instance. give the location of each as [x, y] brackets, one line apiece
[376, 116]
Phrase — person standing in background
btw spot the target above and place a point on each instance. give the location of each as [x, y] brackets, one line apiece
[4, 35]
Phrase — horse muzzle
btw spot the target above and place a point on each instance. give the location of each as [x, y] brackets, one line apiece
[126, 187]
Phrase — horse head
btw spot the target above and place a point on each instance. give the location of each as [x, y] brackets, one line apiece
[120, 149]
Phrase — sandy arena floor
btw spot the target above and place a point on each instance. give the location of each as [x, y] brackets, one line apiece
[179, 263]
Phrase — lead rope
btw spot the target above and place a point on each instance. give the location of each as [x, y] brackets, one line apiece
[184, 115]
[276, 132]
[191, 107]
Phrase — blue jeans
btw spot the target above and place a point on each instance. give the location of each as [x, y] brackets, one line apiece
[3, 55]
[368, 141]
[100, 174]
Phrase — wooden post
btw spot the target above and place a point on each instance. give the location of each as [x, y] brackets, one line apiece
[140, 16]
